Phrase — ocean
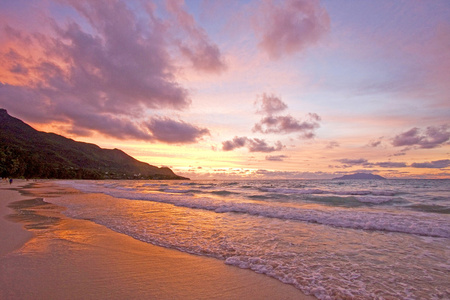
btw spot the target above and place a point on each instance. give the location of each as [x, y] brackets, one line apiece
[334, 239]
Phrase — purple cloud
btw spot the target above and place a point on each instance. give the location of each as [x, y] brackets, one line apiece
[332, 145]
[253, 145]
[107, 124]
[19, 69]
[196, 46]
[399, 154]
[259, 145]
[103, 68]
[275, 157]
[364, 162]
[390, 164]
[437, 164]
[286, 27]
[346, 161]
[374, 144]
[237, 142]
[204, 57]
[293, 174]
[284, 124]
[434, 136]
[170, 131]
[269, 104]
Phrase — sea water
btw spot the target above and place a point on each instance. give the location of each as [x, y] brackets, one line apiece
[334, 239]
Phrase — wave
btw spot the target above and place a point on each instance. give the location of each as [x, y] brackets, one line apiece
[418, 223]
[402, 223]
[321, 192]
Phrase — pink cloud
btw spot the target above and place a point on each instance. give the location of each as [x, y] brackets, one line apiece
[286, 27]
[99, 71]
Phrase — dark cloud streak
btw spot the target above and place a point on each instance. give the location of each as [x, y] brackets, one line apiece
[437, 164]
[275, 157]
[253, 145]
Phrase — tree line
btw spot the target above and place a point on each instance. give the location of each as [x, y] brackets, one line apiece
[16, 162]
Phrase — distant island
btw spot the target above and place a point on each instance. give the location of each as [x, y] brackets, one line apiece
[360, 176]
[28, 153]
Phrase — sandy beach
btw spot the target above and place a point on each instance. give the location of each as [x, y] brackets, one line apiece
[46, 255]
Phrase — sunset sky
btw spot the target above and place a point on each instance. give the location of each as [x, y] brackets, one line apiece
[238, 89]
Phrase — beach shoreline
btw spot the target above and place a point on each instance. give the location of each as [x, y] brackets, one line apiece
[58, 257]
[12, 234]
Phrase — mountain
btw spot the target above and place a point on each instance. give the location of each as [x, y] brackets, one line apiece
[360, 176]
[26, 152]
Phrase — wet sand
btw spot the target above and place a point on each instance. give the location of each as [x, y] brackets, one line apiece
[46, 255]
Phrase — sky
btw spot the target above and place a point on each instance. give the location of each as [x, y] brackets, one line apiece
[227, 89]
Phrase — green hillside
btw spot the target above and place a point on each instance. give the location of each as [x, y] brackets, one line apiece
[26, 152]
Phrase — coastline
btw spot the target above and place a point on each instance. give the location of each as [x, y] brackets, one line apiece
[59, 257]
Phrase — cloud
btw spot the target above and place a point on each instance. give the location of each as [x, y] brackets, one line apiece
[437, 164]
[399, 154]
[103, 68]
[108, 124]
[410, 137]
[332, 145]
[170, 131]
[432, 137]
[195, 45]
[292, 174]
[237, 142]
[275, 157]
[284, 124]
[287, 27]
[259, 145]
[253, 145]
[374, 143]
[360, 161]
[390, 164]
[19, 69]
[268, 105]
[364, 162]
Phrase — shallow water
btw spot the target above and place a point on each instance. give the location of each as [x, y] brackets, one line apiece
[333, 239]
